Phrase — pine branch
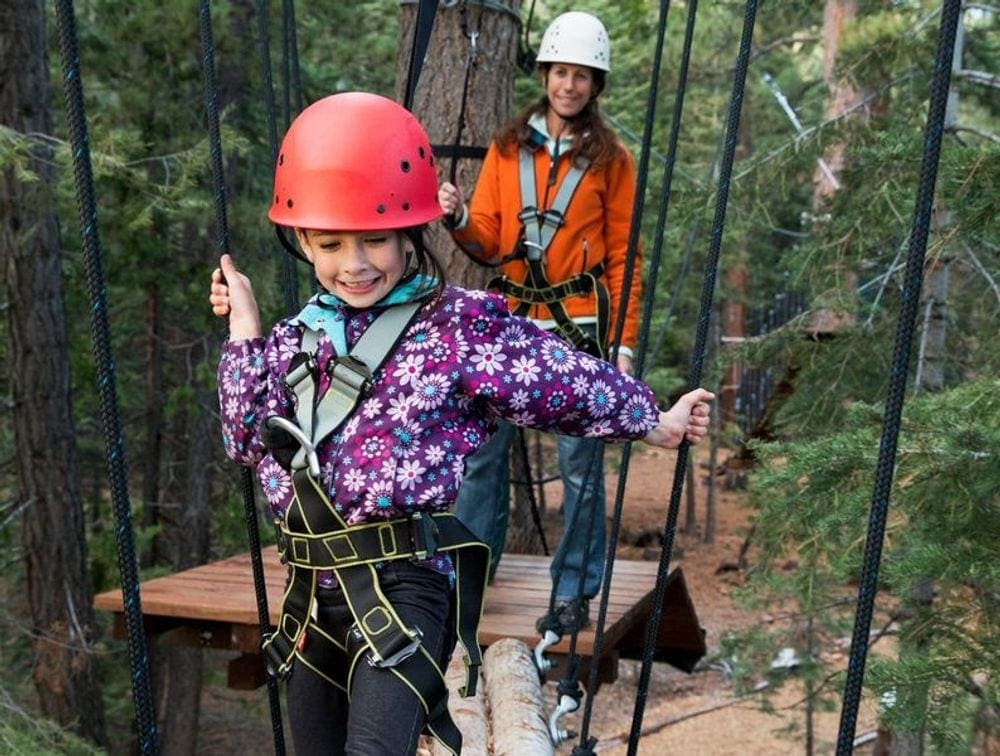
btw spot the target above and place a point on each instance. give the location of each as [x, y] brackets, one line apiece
[954, 128]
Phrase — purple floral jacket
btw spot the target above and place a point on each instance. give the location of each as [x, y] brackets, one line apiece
[463, 362]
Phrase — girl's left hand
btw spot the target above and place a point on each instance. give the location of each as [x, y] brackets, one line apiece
[687, 419]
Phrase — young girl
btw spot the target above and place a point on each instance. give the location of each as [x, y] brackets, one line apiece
[552, 209]
[379, 573]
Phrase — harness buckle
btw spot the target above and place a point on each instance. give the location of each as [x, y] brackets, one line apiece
[279, 667]
[399, 656]
[423, 535]
[351, 372]
[552, 217]
[532, 250]
[281, 540]
[530, 212]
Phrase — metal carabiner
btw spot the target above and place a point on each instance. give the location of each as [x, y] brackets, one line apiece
[277, 421]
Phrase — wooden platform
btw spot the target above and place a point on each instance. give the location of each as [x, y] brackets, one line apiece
[214, 606]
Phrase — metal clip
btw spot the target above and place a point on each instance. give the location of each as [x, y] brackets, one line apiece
[542, 662]
[423, 535]
[276, 421]
[567, 705]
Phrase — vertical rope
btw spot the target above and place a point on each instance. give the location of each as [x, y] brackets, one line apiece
[422, 28]
[697, 362]
[912, 278]
[222, 231]
[287, 279]
[142, 698]
[655, 258]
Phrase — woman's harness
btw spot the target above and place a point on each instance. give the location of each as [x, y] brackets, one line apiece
[538, 227]
[314, 537]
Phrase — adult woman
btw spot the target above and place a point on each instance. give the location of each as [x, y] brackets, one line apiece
[552, 210]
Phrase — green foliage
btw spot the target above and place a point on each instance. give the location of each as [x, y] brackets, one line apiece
[141, 65]
[21, 732]
[813, 498]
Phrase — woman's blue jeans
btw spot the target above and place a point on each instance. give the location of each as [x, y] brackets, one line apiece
[483, 504]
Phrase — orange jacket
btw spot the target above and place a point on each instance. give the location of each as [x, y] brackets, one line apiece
[596, 229]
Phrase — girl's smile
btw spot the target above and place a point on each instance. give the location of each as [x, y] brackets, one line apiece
[360, 267]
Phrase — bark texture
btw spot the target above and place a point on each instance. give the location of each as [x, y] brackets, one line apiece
[438, 98]
[515, 699]
[58, 586]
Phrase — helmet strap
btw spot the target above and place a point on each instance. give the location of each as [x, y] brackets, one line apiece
[289, 247]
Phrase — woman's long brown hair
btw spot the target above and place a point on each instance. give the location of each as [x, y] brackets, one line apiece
[594, 140]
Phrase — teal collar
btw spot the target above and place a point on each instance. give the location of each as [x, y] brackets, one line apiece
[327, 312]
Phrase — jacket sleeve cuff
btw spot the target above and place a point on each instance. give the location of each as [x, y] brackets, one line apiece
[453, 223]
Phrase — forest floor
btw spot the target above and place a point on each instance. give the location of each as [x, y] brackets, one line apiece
[698, 713]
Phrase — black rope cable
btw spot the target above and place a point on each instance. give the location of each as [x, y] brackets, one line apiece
[292, 50]
[424, 25]
[525, 55]
[529, 484]
[142, 698]
[910, 301]
[287, 277]
[470, 64]
[644, 323]
[569, 684]
[292, 90]
[223, 244]
[697, 364]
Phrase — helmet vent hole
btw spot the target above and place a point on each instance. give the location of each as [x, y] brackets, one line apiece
[420, 151]
[380, 209]
[281, 159]
[406, 205]
[404, 166]
[290, 203]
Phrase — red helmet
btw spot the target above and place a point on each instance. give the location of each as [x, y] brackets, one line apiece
[355, 162]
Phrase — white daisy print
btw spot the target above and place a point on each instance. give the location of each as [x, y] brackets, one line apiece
[489, 358]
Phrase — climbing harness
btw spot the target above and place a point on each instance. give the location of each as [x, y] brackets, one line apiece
[538, 227]
[314, 537]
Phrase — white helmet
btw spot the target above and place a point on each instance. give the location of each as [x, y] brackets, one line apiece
[578, 38]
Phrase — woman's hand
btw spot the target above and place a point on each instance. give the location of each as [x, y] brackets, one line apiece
[687, 419]
[231, 294]
[451, 200]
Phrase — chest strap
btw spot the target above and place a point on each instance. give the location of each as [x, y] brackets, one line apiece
[538, 228]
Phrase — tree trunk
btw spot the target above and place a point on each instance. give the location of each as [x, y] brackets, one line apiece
[438, 98]
[153, 421]
[189, 532]
[58, 587]
[842, 95]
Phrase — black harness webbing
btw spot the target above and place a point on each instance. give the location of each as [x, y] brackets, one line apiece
[538, 227]
[315, 537]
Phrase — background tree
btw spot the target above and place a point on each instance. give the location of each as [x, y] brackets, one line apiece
[144, 101]
[47, 496]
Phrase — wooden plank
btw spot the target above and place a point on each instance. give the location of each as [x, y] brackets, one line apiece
[217, 600]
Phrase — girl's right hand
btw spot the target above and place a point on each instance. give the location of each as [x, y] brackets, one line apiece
[451, 200]
[232, 294]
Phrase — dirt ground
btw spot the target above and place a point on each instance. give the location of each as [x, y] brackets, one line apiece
[696, 713]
